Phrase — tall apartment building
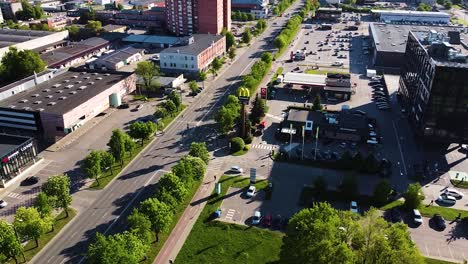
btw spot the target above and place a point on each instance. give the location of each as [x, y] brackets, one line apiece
[186, 17]
[10, 8]
[433, 85]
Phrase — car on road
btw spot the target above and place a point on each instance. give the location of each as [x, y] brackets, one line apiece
[139, 107]
[256, 218]
[454, 193]
[3, 204]
[237, 169]
[376, 78]
[296, 69]
[267, 221]
[417, 217]
[446, 199]
[307, 42]
[439, 222]
[124, 106]
[30, 181]
[342, 56]
[374, 82]
[354, 207]
[251, 191]
[337, 63]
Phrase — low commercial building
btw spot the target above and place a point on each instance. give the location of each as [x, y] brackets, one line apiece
[55, 108]
[305, 80]
[169, 84]
[433, 85]
[16, 152]
[194, 57]
[25, 84]
[328, 13]
[29, 39]
[114, 28]
[338, 87]
[261, 13]
[407, 17]
[117, 59]
[388, 42]
[59, 23]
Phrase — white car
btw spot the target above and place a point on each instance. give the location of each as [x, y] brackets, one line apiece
[454, 193]
[464, 147]
[251, 191]
[446, 199]
[3, 204]
[337, 63]
[237, 169]
[256, 218]
[354, 207]
[417, 218]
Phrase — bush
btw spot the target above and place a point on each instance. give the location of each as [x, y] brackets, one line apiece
[246, 147]
[160, 112]
[248, 139]
[237, 144]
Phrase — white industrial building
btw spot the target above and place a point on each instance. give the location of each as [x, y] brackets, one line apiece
[260, 13]
[405, 16]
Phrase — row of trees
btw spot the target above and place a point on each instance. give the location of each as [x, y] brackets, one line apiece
[257, 72]
[33, 222]
[260, 27]
[288, 33]
[448, 4]
[228, 115]
[169, 107]
[322, 234]
[424, 7]
[155, 215]
[282, 6]
[242, 16]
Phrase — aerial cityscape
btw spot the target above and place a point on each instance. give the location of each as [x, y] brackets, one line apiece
[222, 131]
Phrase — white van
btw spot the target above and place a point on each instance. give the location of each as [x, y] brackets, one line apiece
[372, 142]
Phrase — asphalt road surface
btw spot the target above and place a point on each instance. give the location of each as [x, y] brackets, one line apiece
[108, 212]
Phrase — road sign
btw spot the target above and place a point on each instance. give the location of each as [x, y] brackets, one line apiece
[253, 175]
[263, 92]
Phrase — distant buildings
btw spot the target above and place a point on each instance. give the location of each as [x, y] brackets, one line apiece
[247, 5]
[117, 59]
[406, 17]
[10, 8]
[433, 85]
[197, 16]
[194, 57]
[328, 13]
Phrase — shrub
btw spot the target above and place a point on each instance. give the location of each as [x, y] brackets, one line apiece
[237, 144]
[248, 139]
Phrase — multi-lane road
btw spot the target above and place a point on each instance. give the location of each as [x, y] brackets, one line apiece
[108, 211]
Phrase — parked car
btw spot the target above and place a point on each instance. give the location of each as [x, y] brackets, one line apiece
[30, 181]
[374, 82]
[439, 222]
[256, 218]
[124, 106]
[446, 199]
[3, 204]
[354, 207]
[251, 191]
[267, 221]
[237, 169]
[454, 193]
[140, 106]
[417, 218]
[337, 63]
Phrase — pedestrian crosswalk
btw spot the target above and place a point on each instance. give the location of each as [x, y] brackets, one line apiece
[230, 214]
[15, 195]
[263, 146]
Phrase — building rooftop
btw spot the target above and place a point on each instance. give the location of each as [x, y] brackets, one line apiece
[9, 143]
[305, 78]
[153, 39]
[201, 42]
[119, 55]
[112, 27]
[393, 37]
[10, 37]
[410, 13]
[64, 92]
[444, 48]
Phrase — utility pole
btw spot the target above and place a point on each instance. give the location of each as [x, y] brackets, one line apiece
[290, 138]
[316, 143]
[303, 135]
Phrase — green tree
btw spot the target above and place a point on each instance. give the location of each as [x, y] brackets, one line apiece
[147, 70]
[267, 57]
[382, 192]
[412, 196]
[58, 187]
[440, 2]
[276, 11]
[129, 144]
[142, 131]
[175, 98]
[107, 160]
[190, 168]
[193, 87]
[30, 225]
[246, 36]
[43, 204]
[120, 6]
[244, 17]
[232, 53]
[140, 225]
[237, 144]
[91, 165]
[259, 110]
[160, 215]
[226, 118]
[29, 11]
[94, 26]
[74, 32]
[320, 187]
[170, 106]
[117, 145]
[216, 65]
[250, 17]
[230, 39]
[119, 248]
[172, 184]
[317, 105]
[424, 7]
[199, 150]
[16, 64]
[448, 5]
[87, 16]
[280, 42]
[10, 247]
[202, 76]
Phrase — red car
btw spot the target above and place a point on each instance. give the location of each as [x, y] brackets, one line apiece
[267, 221]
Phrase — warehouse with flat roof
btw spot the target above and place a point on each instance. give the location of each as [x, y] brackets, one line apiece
[64, 103]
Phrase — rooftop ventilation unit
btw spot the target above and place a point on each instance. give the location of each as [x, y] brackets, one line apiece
[51, 103]
[37, 102]
[82, 73]
[69, 86]
[77, 82]
[26, 108]
[72, 92]
[62, 97]
[82, 87]
[66, 81]
[40, 109]
[59, 91]
[46, 90]
[90, 83]
[49, 96]
[56, 85]
[86, 78]
[75, 76]
[35, 95]
[12, 106]
[99, 78]
[23, 101]
[95, 73]
[107, 74]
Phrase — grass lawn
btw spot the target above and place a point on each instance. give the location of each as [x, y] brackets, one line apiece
[30, 250]
[436, 261]
[240, 152]
[218, 242]
[155, 248]
[456, 7]
[429, 211]
[396, 203]
[459, 21]
[323, 72]
[278, 72]
[116, 168]
[460, 184]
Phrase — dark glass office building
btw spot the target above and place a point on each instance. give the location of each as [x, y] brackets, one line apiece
[434, 85]
[15, 154]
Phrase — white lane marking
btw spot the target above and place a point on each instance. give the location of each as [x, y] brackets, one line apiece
[450, 251]
[126, 207]
[230, 214]
[73, 234]
[399, 147]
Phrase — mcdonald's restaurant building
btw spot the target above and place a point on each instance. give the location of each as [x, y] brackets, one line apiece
[16, 153]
